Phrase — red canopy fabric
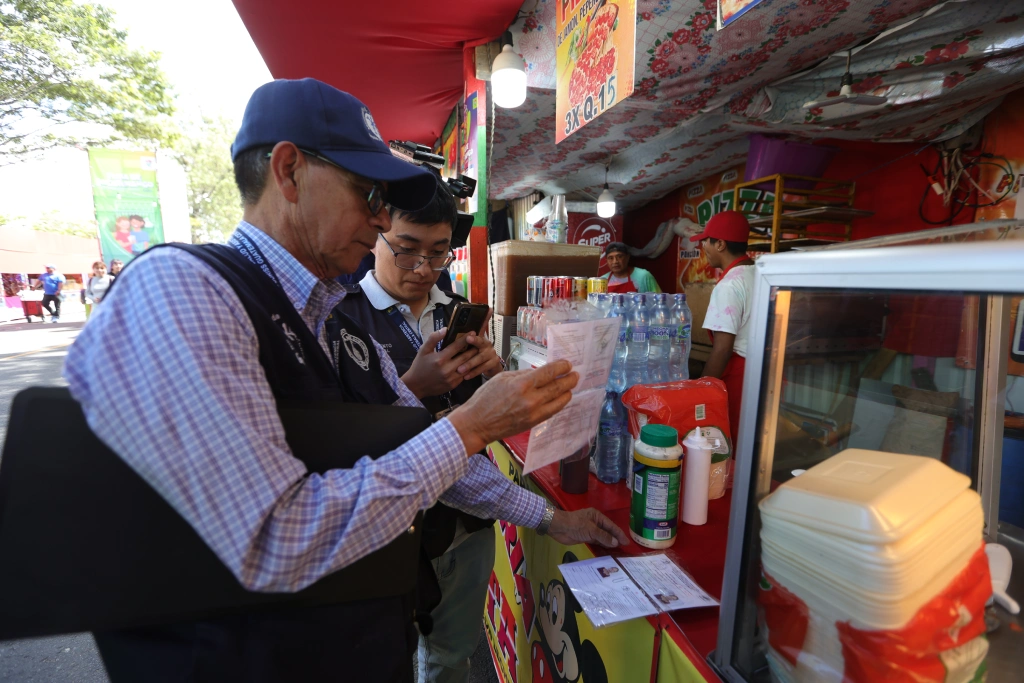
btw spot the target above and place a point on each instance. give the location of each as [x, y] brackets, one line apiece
[403, 59]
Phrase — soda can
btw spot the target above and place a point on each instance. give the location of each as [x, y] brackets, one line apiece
[597, 285]
[565, 288]
[531, 290]
[580, 287]
[549, 286]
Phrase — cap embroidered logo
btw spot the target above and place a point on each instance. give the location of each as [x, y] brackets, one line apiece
[371, 126]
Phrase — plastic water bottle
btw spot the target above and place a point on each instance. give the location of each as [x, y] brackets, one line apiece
[604, 303]
[638, 343]
[679, 353]
[613, 440]
[617, 378]
[660, 339]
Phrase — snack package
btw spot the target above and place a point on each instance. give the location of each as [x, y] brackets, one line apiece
[687, 405]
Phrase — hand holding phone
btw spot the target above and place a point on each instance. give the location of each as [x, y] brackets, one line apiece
[465, 318]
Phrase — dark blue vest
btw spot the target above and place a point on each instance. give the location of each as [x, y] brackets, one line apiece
[439, 523]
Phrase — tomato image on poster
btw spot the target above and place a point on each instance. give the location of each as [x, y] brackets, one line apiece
[596, 48]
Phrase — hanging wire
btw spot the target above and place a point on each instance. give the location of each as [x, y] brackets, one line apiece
[954, 174]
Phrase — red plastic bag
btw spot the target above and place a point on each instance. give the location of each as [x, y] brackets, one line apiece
[684, 405]
[785, 617]
[941, 640]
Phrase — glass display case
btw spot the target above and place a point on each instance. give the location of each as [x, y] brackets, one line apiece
[896, 349]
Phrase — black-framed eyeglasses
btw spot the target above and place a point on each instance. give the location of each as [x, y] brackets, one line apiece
[407, 261]
[376, 198]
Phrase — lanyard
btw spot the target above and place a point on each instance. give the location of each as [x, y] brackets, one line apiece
[249, 250]
[411, 335]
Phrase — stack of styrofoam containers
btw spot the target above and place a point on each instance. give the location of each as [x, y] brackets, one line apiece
[867, 538]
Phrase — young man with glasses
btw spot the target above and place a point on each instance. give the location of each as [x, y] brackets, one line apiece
[405, 311]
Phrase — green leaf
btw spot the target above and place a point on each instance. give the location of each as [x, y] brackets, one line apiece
[204, 151]
[62, 62]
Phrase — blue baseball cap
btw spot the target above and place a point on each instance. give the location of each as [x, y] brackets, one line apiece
[320, 118]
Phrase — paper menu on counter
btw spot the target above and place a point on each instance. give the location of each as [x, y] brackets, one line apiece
[605, 592]
[590, 347]
[667, 584]
[611, 590]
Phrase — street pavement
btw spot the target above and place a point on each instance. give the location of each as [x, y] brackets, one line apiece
[32, 354]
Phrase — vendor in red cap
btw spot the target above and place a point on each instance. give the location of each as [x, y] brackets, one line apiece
[724, 241]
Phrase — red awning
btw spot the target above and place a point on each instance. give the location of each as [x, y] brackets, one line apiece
[403, 59]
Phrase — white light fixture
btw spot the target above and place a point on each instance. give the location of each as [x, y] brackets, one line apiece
[606, 203]
[508, 79]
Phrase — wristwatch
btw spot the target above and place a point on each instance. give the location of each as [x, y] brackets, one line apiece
[545, 520]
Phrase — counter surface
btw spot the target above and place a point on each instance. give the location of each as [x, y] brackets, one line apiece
[700, 550]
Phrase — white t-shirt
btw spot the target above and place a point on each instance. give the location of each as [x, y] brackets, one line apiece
[730, 306]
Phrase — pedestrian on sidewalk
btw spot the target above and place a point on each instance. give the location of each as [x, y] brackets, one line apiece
[52, 283]
[97, 286]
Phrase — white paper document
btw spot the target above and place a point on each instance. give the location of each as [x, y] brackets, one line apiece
[611, 590]
[604, 591]
[667, 584]
[590, 347]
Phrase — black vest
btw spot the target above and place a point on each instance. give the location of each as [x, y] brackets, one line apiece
[385, 330]
[439, 523]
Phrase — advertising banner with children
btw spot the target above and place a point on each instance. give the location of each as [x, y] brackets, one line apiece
[126, 199]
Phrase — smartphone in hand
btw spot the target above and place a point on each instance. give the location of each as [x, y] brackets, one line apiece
[465, 318]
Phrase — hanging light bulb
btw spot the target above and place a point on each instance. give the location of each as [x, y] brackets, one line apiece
[606, 203]
[508, 79]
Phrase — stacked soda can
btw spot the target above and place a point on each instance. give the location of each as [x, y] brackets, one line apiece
[597, 285]
[580, 288]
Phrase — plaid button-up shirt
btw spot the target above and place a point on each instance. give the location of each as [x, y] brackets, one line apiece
[167, 372]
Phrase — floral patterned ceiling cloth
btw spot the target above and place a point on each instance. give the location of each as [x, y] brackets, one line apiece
[700, 92]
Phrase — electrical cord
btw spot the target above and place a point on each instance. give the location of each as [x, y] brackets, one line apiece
[954, 176]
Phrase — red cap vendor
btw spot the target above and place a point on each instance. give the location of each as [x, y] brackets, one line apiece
[724, 241]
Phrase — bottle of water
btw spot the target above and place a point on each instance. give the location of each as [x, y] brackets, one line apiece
[612, 440]
[638, 343]
[660, 339]
[617, 378]
[679, 354]
[604, 303]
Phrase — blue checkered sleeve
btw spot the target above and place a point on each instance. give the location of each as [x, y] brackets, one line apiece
[483, 491]
[168, 375]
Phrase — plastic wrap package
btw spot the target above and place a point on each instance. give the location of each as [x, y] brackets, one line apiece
[687, 405]
[944, 642]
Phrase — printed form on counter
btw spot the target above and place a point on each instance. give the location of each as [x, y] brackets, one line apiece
[611, 590]
[590, 347]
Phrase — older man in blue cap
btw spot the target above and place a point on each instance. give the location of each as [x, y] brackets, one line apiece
[206, 344]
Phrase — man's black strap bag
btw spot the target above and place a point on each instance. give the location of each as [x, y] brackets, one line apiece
[88, 545]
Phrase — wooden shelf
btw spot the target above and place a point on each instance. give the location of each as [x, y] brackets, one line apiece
[830, 202]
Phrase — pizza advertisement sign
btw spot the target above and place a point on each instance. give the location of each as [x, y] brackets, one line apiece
[731, 10]
[595, 53]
